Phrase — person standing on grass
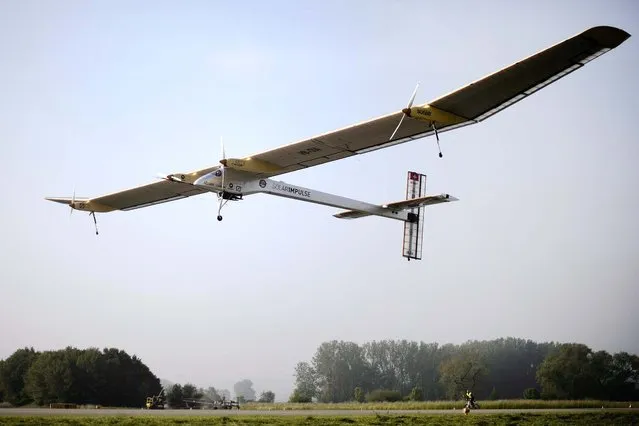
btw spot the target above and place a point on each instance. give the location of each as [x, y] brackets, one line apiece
[470, 397]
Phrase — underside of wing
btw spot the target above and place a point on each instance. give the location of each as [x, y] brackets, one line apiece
[173, 187]
[134, 198]
[467, 105]
[352, 140]
[491, 94]
[146, 195]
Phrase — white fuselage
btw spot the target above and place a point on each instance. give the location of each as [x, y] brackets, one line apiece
[226, 180]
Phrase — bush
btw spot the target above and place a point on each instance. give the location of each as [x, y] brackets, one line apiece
[531, 393]
[493, 395]
[416, 394]
[298, 396]
[380, 395]
[359, 394]
[267, 396]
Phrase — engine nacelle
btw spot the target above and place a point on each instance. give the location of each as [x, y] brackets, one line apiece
[250, 165]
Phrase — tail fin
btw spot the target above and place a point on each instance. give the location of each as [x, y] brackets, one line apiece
[415, 202]
[414, 229]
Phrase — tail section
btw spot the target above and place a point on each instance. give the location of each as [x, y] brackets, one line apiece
[414, 229]
[415, 202]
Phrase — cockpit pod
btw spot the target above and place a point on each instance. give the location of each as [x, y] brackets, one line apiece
[212, 180]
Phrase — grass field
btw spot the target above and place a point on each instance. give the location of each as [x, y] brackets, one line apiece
[442, 405]
[525, 419]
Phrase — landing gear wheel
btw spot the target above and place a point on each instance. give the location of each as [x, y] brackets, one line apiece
[219, 218]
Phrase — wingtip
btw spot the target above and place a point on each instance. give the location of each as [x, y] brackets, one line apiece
[606, 35]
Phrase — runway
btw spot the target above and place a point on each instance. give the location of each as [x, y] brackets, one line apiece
[304, 413]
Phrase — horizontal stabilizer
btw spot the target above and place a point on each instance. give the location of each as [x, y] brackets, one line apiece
[421, 201]
[401, 205]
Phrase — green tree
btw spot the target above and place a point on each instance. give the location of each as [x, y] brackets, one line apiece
[50, 378]
[359, 394]
[416, 394]
[305, 383]
[462, 371]
[267, 397]
[509, 364]
[175, 396]
[566, 373]
[532, 393]
[381, 395]
[111, 377]
[493, 395]
[622, 380]
[129, 380]
[90, 379]
[190, 391]
[13, 371]
[428, 358]
[1, 385]
[339, 367]
[299, 397]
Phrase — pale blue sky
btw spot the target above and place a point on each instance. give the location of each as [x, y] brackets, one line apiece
[101, 96]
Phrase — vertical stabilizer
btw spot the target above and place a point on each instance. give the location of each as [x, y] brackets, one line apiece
[414, 228]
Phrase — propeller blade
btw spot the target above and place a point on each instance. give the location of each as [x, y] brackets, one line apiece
[167, 176]
[222, 167]
[412, 98]
[397, 128]
[72, 204]
[404, 113]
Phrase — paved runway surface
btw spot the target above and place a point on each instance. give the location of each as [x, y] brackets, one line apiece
[142, 412]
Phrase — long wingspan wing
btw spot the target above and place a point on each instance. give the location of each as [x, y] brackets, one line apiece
[467, 105]
[147, 195]
[495, 92]
[141, 196]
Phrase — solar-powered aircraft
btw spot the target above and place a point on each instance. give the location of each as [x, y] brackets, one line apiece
[234, 178]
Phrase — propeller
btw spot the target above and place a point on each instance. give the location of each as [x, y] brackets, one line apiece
[72, 205]
[405, 111]
[222, 161]
[164, 176]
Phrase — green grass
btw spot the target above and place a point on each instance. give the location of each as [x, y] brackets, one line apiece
[525, 419]
[440, 405]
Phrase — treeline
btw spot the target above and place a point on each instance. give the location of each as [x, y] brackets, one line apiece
[109, 377]
[498, 369]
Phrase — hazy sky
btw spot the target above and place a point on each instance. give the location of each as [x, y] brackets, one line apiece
[101, 96]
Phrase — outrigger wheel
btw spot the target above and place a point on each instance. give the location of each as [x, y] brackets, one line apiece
[219, 217]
